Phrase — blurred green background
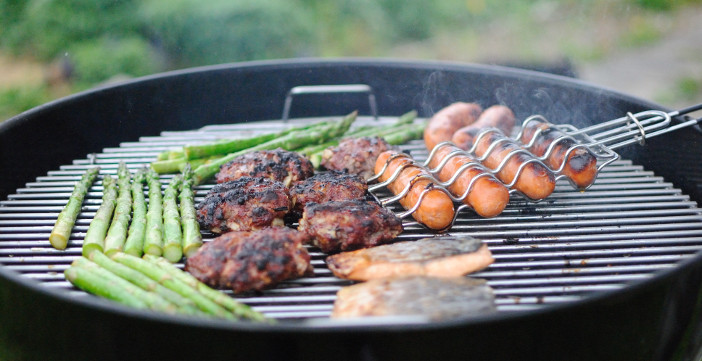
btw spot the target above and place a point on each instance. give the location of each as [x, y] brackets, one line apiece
[51, 48]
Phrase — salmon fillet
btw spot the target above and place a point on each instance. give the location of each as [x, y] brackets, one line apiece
[445, 256]
[437, 298]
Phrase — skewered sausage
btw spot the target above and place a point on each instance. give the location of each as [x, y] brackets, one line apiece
[497, 116]
[535, 180]
[448, 120]
[435, 210]
[487, 196]
[581, 166]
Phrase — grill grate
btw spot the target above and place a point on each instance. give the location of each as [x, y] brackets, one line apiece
[629, 225]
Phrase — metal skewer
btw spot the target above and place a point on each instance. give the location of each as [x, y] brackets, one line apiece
[600, 139]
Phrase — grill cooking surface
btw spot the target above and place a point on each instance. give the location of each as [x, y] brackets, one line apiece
[629, 225]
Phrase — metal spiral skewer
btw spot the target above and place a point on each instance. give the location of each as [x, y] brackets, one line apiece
[599, 139]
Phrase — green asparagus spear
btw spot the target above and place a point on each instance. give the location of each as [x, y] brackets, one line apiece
[178, 164]
[153, 239]
[172, 233]
[156, 273]
[117, 234]
[184, 305]
[192, 239]
[363, 131]
[224, 147]
[291, 141]
[407, 118]
[413, 131]
[67, 218]
[163, 155]
[168, 165]
[316, 159]
[170, 154]
[173, 161]
[135, 236]
[96, 284]
[102, 282]
[400, 132]
[198, 162]
[239, 309]
[95, 236]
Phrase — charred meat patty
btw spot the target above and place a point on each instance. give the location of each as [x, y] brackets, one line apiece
[437, 298]
[251, 261]
[355, 155]
[346, 225]
[279, 165]
[325, 187]
[444, 256]
[243, 204]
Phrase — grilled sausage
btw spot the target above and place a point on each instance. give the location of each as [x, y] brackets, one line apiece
[497, 116]
[535, 180]
[448, 120]
[488, 197]
[436, 208]
[581, 166]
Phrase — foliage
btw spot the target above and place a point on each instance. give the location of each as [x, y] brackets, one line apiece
[195, 33]
[419, 19]
[18, 99]
[347, 27]
[663, 4]
[10, 14]
[46, 28]
[103, 58]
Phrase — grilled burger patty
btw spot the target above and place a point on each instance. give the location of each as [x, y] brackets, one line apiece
[245, 261]
[346, 225]
[324, 187]
[444, 256]
[244, 204]
[279, 165]
[355, 155]
[437, 298]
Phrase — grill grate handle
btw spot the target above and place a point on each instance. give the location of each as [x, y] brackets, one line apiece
[330, 89]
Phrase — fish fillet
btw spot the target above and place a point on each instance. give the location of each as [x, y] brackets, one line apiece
[445, 256]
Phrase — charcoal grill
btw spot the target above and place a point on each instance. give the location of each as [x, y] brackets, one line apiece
[610, 273]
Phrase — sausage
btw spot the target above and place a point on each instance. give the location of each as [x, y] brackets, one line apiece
[535, 180]
[449, 119]
[581, 166]
[436, 210]
[488, 197]
[497, 116]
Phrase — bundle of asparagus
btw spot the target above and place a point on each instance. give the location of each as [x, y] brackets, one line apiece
[153, 283]
[124, 222]
[311, 140]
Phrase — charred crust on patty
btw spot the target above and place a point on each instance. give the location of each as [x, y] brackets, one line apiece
[278, 164]
[243, 204]
[324, 187]
[346, 225]
[252, 261]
